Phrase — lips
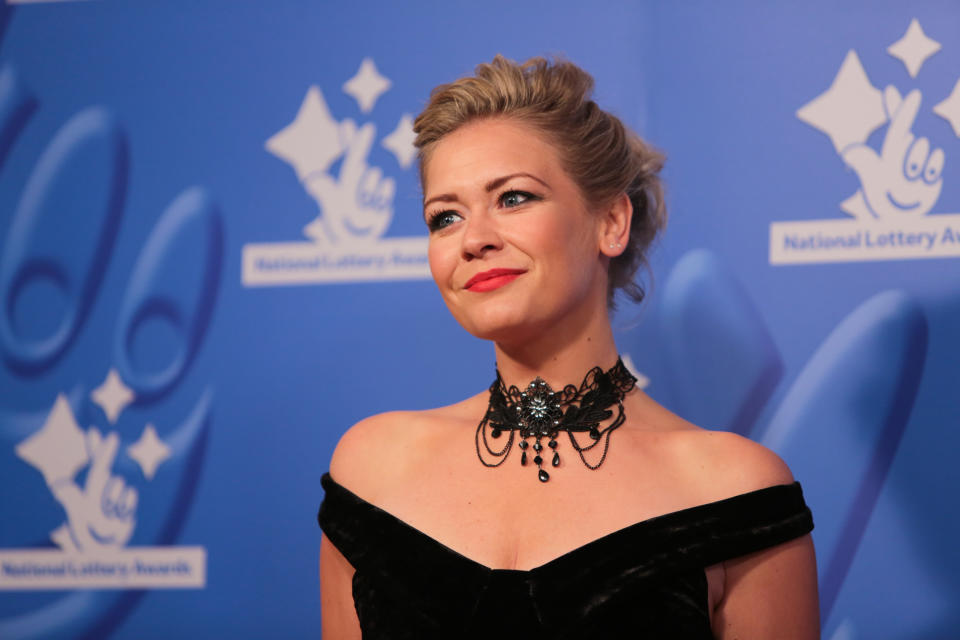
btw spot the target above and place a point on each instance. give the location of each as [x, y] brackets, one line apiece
[492, 279]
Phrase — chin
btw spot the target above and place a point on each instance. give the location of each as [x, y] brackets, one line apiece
[504, 327]
[496, 322]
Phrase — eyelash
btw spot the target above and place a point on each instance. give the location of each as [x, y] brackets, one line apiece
[434, 218]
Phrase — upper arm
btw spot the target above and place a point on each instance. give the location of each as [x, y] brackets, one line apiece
[770, 594]
[337, 609]
[358, 463]
[338, 613]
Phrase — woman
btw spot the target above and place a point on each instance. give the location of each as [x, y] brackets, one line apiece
[563, 502]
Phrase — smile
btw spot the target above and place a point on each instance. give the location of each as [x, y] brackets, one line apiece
[900, 205]
[492, 279]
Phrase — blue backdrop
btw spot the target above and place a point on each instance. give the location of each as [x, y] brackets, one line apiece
[213, 264]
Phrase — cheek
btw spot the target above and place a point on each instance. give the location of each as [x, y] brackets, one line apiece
[441, 264]
[575, 246]
[576, 257]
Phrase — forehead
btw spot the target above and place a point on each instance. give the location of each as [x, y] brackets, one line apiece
[487, 149]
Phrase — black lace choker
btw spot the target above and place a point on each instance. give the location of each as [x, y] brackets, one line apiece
[541, 413]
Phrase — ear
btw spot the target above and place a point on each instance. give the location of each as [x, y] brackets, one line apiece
[614, 226]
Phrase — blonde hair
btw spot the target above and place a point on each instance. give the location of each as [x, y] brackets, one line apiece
[598, 152]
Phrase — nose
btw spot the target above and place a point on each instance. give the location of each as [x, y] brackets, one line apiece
[480, 235]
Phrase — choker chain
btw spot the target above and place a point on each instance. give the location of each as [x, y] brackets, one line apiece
[540, 413]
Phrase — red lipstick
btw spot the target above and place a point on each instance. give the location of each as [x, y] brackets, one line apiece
[492, 279]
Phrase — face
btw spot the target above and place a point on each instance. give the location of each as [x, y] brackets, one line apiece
[514, 248]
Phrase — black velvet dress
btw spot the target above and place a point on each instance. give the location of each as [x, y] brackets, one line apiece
[646, 580]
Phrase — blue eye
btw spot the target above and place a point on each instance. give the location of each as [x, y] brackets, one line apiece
[441, 220]
[516, 198]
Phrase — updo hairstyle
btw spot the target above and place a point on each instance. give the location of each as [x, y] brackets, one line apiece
[599, 153]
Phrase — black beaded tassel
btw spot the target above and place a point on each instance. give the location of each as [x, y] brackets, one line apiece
[540, 413]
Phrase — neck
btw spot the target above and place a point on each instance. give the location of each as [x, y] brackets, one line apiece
[557, 360]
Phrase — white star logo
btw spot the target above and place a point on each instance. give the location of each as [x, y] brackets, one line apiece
[949, 109]
[850, 110]
[149, 451]
[400, 141]
[113, 396]
[312, 141]
[913, 48]
[366, 85]
[58, 449]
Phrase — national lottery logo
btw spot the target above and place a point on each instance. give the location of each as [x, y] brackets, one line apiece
[100, 511]
[103, 430]
[900, 182]
[355, 201]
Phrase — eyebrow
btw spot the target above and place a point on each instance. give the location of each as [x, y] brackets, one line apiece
[490, 186]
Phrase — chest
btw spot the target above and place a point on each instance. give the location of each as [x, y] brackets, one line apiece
[506, 518]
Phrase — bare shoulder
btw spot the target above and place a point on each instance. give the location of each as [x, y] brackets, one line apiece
[722, 464]
[379, 451]
[710, 464]
[364, 457]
